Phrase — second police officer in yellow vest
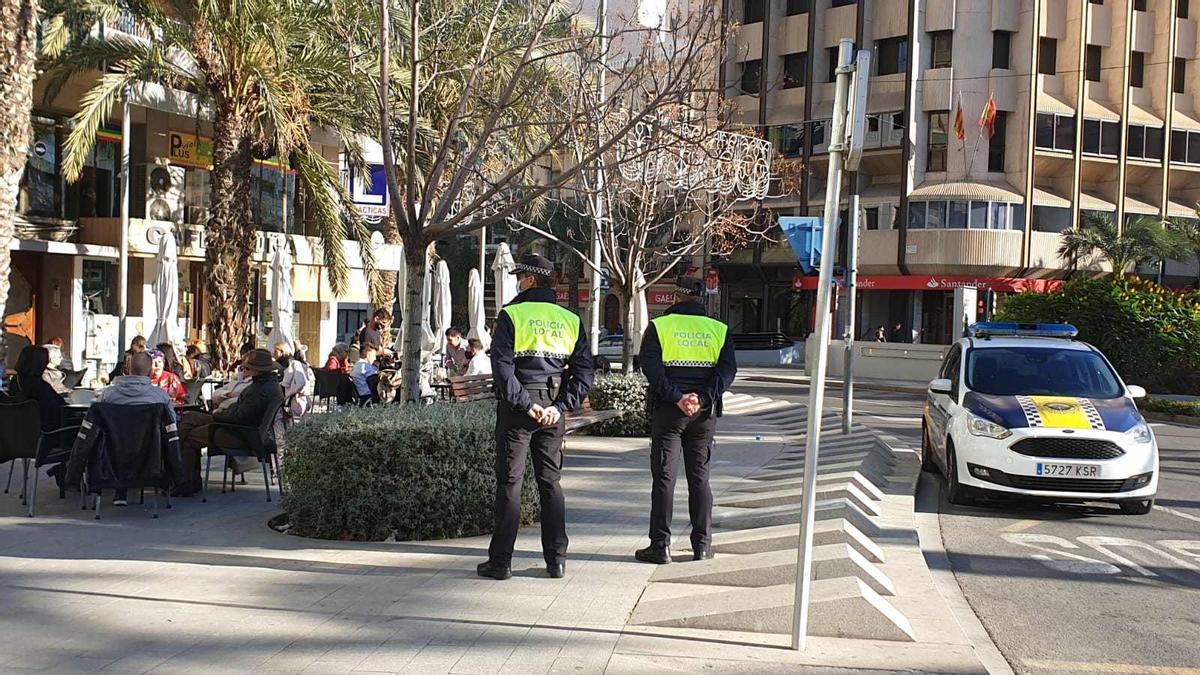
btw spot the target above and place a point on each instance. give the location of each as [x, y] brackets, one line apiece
[689, 362]
[542, 368]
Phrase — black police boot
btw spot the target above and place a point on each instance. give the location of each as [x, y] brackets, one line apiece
[702, 554]
[556, 570]
[494, 570]
[654, 554]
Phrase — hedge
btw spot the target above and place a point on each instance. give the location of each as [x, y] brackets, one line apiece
[1150, 333]
[409, 471]
[1171, 407]
[621, 392]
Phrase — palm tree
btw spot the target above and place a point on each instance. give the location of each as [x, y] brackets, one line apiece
[1143, 240]
[18, 40]
[269, 73]
[1187, 231]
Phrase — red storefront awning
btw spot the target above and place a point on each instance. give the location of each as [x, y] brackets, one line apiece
[943, 283]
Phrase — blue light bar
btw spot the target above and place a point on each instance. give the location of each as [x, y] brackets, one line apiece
[1003, 328]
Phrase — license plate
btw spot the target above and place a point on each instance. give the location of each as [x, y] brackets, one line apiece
[1068, 470]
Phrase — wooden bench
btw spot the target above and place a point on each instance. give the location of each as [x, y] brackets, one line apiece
[466, 388]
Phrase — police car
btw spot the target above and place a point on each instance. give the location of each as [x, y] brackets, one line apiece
[1025, 409]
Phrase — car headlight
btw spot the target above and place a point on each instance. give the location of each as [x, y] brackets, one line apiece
[981, 427]
[1140, 433]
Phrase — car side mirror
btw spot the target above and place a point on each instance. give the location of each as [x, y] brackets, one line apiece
[941, 385]
[1135, 391]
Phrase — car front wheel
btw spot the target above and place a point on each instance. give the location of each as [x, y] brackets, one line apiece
[927, 463]
[1136, 507]
[957, 493]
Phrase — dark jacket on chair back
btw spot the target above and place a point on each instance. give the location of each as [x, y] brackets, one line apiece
[253, 405]
[122, 445]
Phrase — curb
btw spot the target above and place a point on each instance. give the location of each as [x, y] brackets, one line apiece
[837, 384]
[1186, 420]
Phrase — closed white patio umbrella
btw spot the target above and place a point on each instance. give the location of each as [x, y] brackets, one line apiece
[441, 305]
[402, 297]
[506, 283]
[281, 299]
[478, 315]
[166, 290]
[427, 341]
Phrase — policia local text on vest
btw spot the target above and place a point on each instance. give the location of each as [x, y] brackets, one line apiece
[689, 362]
[542, 368]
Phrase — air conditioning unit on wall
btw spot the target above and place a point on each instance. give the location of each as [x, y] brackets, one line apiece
[164, 192]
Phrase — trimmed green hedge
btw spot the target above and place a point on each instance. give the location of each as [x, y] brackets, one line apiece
[1169, 407]
[621, 392]
[410, 471]
[1151, 334]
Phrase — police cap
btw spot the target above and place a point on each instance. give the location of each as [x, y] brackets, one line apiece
[532, 263]
[689, 286]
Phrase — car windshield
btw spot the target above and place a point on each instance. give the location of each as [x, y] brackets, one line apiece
[1040, 371]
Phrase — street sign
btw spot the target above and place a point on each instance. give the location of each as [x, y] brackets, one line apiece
[856, 123]
[804, 235]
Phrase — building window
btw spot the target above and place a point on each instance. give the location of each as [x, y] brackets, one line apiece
[1181, 9]
[916, 215]
[1139, 5]
[1180, 75]
[754, 11]
[818, 134]
[751, 77]
[962, 215]
[1047, 56]
[1096, 2]
[795, 67]
[831, 55]
[1137, 69]
[941, 54]
[871, 216]
[1092, 66]
[1101, 138]
[1154, 143]
[842, 3]
[1185, 146]
[788, 139]
[938, 138]
[998, 141]
[1055, 132]
[891, 55]
[795, 7]
[1001, 46]
[1144, 142]
[1135, 144]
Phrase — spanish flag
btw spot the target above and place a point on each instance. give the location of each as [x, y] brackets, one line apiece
[987, 117]
[959, 131]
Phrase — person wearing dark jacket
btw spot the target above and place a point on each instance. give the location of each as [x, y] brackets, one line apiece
[250, 409]
[689, 363]
[136, 389]
[31, 383]
[541, 368]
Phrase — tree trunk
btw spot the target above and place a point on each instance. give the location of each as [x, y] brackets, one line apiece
[230, 238]
[18, 21]
[573, 271]
[417, 263]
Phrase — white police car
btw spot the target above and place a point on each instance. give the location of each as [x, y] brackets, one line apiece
[1026, 409]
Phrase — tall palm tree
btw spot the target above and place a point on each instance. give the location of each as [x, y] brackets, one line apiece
[1143, 240]
[18, 52]
[269, 73]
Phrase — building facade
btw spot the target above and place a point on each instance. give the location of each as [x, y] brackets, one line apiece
[65, 253]
[1096, 111]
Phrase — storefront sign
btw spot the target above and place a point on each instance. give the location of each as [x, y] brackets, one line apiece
[660, 297]
[189, 149]
[563, 295]
[942, 283]
[712, 281]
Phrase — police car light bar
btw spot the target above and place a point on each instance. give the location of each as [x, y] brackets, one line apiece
[1002, 328]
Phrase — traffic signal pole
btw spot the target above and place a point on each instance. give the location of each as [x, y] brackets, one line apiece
[851, 301]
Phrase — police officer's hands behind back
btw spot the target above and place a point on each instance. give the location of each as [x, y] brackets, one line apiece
[547, 416]
[689, 404]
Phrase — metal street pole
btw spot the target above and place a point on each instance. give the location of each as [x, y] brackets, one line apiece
[601, 198]
[816, 393]
[851, 301]
[123, 246]
[482, 255]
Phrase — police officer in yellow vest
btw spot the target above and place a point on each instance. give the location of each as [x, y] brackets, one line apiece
[542, 368]
[689, 362]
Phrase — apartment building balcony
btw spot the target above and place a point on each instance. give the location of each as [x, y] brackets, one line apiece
[1185, 38]
[990, 253]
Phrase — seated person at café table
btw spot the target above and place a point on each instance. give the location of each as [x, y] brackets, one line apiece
[31, 383]
[456, 353]
[365, 376]
[202, 366]
[137, 344]
[165, 379]
[339, 359]
[260, 392]
[480, 363]
[54, 374]
[135, 389]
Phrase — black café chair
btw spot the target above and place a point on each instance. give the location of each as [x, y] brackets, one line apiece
[330, 386]
[20, 427]
[242, 440]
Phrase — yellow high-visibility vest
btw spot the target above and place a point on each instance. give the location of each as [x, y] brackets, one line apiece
[689, 340]
[543, 329]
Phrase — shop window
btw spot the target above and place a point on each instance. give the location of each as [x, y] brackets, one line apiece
[1001, 48]
[1092, 63]
[942, 51]
[795, 69]
[938, 138]
[891, 55]
[1047, 56]
[1137, 69]
[751, 76]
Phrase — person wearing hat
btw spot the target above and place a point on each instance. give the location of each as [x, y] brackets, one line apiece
[541, 368]
[689, 362]
[259, 396]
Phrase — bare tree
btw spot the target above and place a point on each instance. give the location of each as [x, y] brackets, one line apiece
[474, 97]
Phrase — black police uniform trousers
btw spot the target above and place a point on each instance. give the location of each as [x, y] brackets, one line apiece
[517, 435]
[672, 434]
